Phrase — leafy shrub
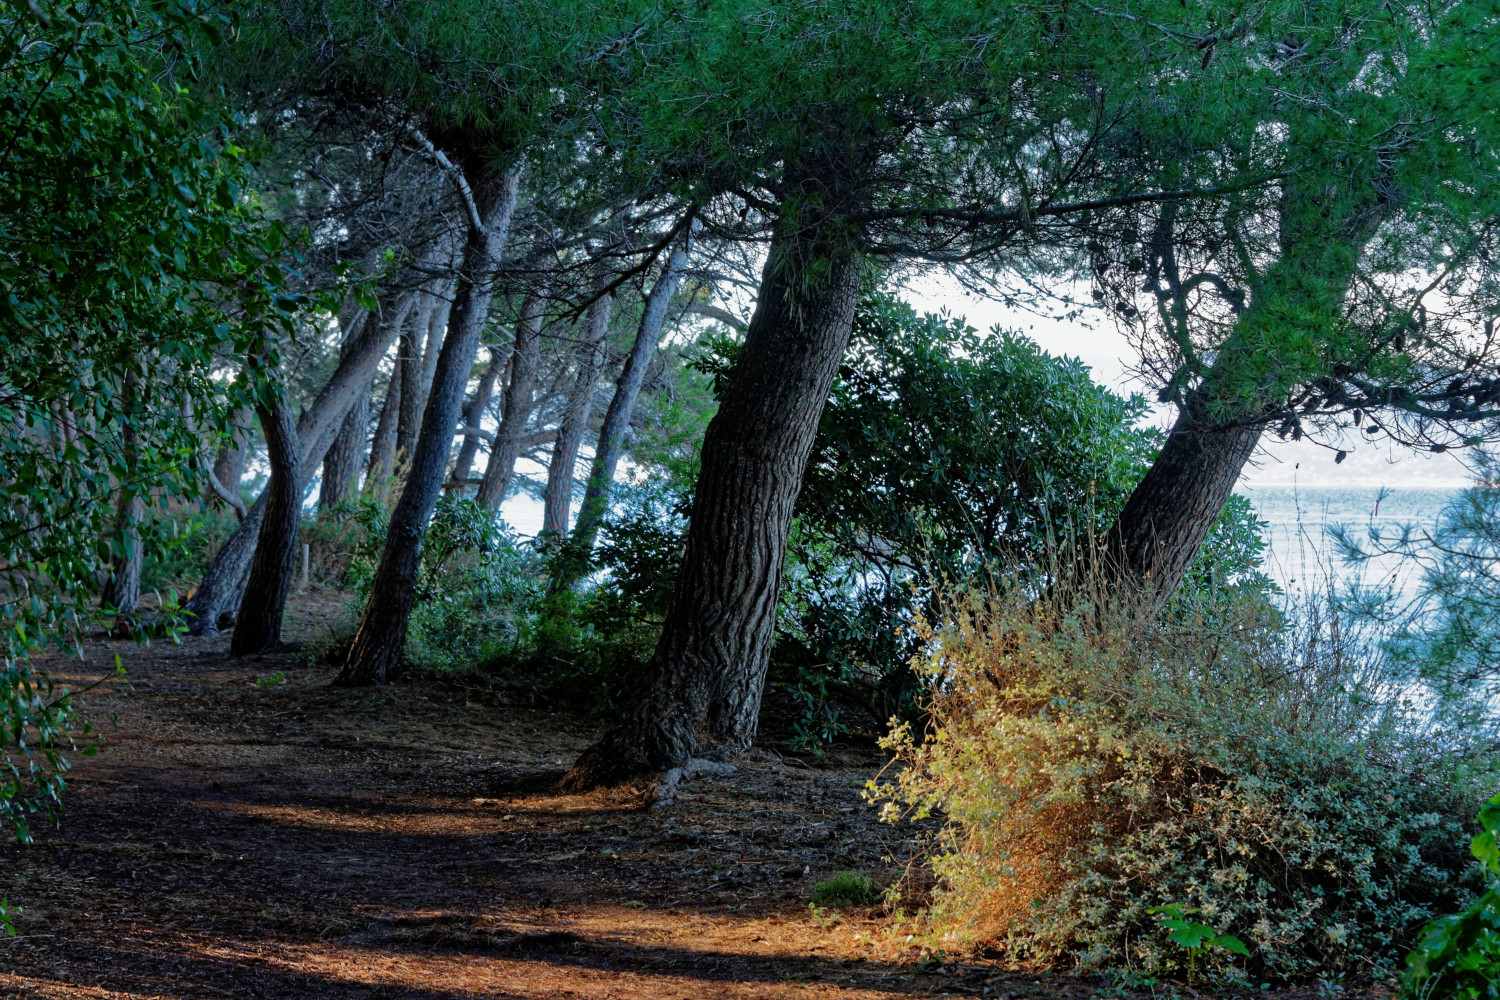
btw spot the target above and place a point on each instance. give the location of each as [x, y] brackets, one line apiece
[38, 724]
[942, 455]
[1459, 955]
[1093, 768]
[477, 589]
[177, 546]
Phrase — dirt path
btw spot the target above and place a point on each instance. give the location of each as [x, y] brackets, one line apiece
[289, 840]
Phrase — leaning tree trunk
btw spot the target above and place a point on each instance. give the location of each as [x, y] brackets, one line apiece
[437, 329]
[378, 644]
[346, 455]
[622, 405]
[558, 497]
[257, 626]
[383, 444]
[473, 413]
[520, 394]
[409, 371]
[1172, 510]
[716, 643]
[213, 601]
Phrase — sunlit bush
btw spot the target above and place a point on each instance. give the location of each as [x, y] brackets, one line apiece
[1270, 778]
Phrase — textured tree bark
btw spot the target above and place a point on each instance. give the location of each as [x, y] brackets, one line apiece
[122, 591]
[473, 411]
[257, 626]
[1172, 510]
[622, 406]
[716, 642]
[347, 453]
[378, 644]
[346, 456]
[409, 369]
[520, 394]
[218, 594]
[383, 444]
[558, 497]
[213, 602]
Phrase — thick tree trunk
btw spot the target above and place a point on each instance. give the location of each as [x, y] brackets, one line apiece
[520, 394]
[215, 598]
[473, 412]
[622, 406]
[1172, 510]
[715, 646]
[381, 637]
[257, 626]
[558, 498]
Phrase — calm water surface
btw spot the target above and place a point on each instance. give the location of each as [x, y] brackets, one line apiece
[1298, 519]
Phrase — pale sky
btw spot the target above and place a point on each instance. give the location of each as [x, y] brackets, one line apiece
[1103, 349]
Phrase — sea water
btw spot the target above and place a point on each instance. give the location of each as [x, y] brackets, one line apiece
[1302, 556]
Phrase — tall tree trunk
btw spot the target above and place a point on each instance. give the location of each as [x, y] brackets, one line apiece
[473, 412]
[1300, 297]
[520, 394]
[346, 455]
[409, 369]
[218, 594]
[257, 626]
[383, 444]
[122, 591]
[622, 407]
[558, 497]
[715, 646]
[437, 329]
[345, 458]
[381, 637]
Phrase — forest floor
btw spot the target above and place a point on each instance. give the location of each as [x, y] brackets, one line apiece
[249, 831]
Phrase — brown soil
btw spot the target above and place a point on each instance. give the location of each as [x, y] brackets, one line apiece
[291, 840]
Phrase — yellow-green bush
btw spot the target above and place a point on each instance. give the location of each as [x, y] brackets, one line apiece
[1270, 779]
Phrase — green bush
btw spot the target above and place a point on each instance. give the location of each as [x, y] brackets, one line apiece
[477, 591]
[1267, 778]
[1458, 956]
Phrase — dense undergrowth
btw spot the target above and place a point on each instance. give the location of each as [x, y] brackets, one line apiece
[1270, 778]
